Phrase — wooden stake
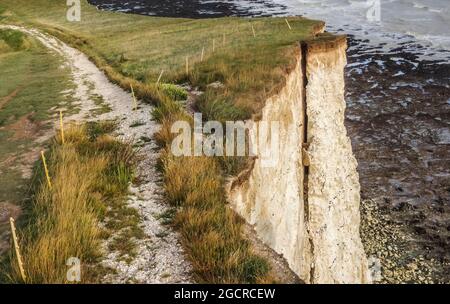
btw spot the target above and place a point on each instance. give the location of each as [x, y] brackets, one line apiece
[253, 30]
[159, 78]
[214, 45]
[46, 170]
[287, 22]
[134, 97]
[203, 53]
[223, 40]
[187, 65]
[61, 125]
[17, 249]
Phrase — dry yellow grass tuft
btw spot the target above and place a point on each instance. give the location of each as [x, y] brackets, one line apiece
[63, 221]
[210, 230]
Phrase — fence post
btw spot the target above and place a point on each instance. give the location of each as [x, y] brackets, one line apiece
[61, 125]
[287, 22]
[159, 78]
[187, 65]
[134, 97]
[17, 249]
[46, 170]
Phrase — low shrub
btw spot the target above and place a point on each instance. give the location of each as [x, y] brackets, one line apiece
[175, 92]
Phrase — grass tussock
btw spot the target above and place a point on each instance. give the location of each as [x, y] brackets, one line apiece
[174, 92]
[90, 174]
[211, 231]
[14, 39]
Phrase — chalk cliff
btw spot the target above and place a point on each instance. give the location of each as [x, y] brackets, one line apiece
[306, 206]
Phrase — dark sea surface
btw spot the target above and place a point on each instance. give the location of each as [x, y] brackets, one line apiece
[398, 110]
[193, 8]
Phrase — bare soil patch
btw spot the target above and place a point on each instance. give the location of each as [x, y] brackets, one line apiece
[24, 128]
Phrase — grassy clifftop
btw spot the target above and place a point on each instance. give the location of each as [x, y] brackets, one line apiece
[250, 56]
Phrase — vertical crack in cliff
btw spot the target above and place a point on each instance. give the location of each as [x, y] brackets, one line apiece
[303, 48]
[304, 51]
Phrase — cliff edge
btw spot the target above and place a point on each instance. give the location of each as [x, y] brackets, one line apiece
[306, 207]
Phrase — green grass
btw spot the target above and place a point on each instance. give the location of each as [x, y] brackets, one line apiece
[90, 175]
[36, 77]
[133, 50]
[31, 81]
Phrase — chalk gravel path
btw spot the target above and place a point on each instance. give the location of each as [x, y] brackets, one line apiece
[159, 259]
